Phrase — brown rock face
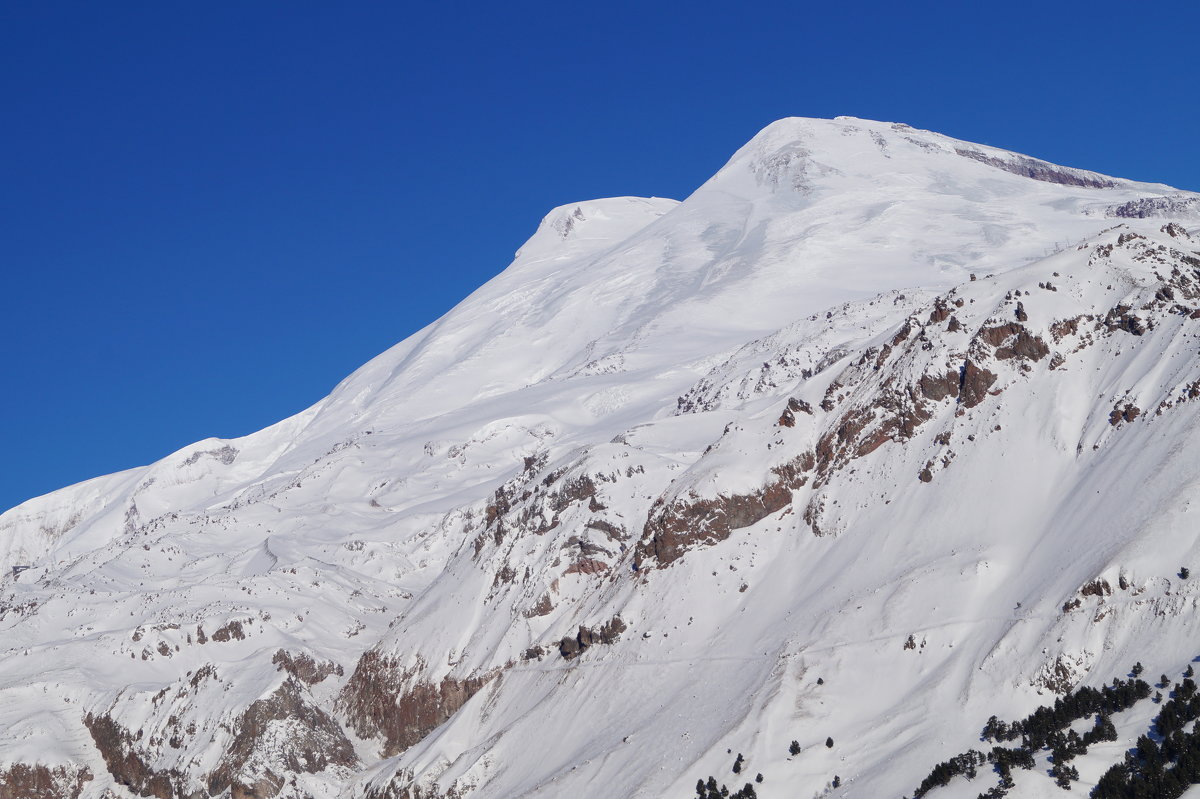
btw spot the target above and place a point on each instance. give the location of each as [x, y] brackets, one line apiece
[974, 383]
[1014, 341]
[1067, 327]
[127, 765]
[799, 406]
[674, 528]
[1119, 318]
[313, 743]
[402, 787]
[1098, 587]
[25, 781]
[587, 566]
[526, 504]
[1124, 414]
[938, 387]
[230, 631]
[284, 733]
[376, 701]
[544, 607]
[572, 647]
[682, 524]
[1037, 170]
[940, 313]
[304, 668]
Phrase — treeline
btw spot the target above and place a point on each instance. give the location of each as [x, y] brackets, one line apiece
[1036, 728]
[710, 790]
[1165, 766]
[1046, 728]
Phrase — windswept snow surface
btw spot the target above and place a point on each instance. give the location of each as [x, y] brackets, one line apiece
[969, 375]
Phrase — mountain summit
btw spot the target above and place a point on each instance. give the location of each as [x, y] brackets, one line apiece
[877, 435]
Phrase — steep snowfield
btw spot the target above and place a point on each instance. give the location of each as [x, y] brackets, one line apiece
[903, 414]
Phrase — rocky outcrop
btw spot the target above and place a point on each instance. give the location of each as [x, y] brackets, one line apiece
[129, 763]
[305, 668]
[230, 631]
[876, 400]
[1126, 413]
[938, 387]
[794, 406]
[527, 504]
[1120, 318]
[1014, 340]
[1155, 206]
[36, 781]
[674, 527]
[543, 607]
[1039, 170]
[279, 735]
[402, 786]
[384, 700]
[571, 647]
[975, 381]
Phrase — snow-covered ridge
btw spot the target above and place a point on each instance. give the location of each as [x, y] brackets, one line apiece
[870, 401]
[578, 229]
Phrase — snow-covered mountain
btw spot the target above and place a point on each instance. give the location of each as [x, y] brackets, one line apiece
[876, 435]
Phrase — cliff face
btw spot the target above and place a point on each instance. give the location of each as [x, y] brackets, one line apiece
[876, 435]
[22, 781]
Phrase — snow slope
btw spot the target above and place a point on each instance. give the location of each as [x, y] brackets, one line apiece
[872, 405]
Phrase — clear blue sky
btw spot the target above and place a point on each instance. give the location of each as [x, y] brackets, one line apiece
[210, 213]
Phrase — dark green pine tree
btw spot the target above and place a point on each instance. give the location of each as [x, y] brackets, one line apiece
[1105, 729]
